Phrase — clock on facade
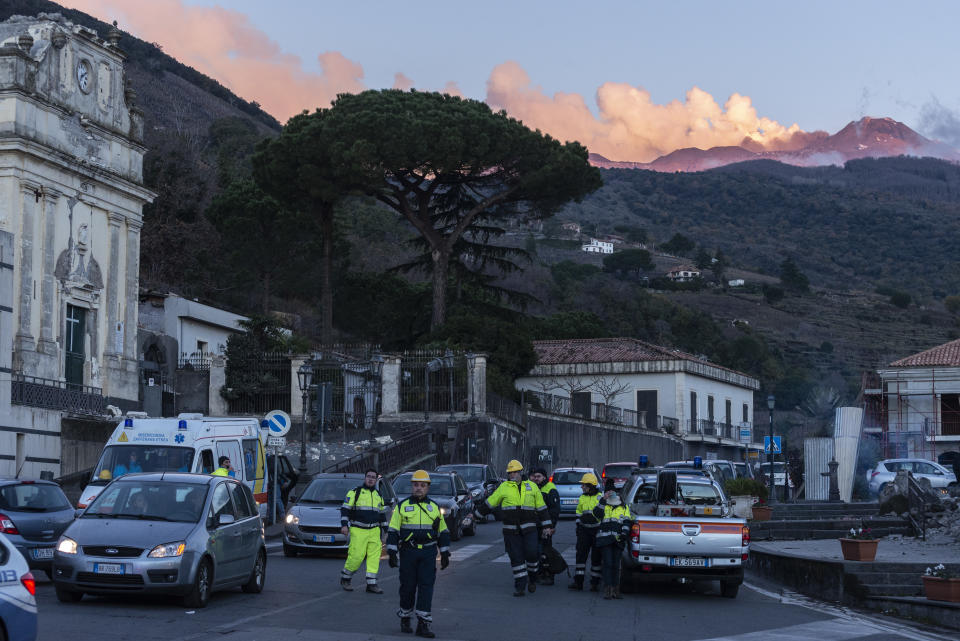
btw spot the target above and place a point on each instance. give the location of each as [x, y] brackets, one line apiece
[83, 76]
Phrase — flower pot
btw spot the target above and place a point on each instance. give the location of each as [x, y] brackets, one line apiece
[742, 505]
[762, 512]
[938, 589]
[859, 549]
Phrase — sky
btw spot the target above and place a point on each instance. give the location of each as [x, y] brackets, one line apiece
[631, 80]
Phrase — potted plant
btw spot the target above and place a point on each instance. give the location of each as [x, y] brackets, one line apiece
[940, 584]
[859, 545]
[751, 493]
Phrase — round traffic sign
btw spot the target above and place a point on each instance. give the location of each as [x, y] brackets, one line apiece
[278, 422]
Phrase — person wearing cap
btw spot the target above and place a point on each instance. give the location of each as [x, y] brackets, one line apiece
[524, 515]
[611, 536]
[362, 519]
[587, 526]
[551, 497]
[416, 528]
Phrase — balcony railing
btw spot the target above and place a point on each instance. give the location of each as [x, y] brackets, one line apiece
[706, 427]
[562, 405]
[56, 395]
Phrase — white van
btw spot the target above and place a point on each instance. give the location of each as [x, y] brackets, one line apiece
[188, 443]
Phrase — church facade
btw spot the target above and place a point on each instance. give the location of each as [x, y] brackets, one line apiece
[71, 200]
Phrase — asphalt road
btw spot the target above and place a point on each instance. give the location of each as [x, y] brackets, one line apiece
[473, 601]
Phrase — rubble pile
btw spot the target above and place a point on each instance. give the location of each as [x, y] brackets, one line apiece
[942, 510]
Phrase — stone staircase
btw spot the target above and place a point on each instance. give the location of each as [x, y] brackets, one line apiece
[824, 520]
[866, 580]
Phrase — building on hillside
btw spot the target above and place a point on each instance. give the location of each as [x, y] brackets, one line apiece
[597, 247]
[920, 404]
[736, 282]
[571, 228]
[613, 239]
[71, 199]
[705, 404]
[683, 273]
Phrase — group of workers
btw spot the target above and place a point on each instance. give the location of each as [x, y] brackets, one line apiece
[530, 510]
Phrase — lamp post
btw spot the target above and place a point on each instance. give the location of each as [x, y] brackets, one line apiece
[448, 363]
[376, 371]
[471, 363]
[304, 379]
[770, 402]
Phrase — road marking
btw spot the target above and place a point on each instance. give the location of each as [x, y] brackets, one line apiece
[829, 630]
[465, 552]
[839, 612]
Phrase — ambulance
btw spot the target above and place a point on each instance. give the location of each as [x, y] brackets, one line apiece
[188, 443]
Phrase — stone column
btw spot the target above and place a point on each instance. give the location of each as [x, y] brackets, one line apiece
[296, 396]
[131, 291]
[113, 296]
[24, 340]
[48, 289]
[390, 386]
[216, 404]
[480, 385]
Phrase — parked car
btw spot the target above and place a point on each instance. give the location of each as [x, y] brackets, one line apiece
[169, 533]
[33, 515]
[886, 470]
[719, 471]
[621, 473]
[312, 523]
[480, 478]
[567, 480]
[743, 470]
[18, 589]
[450, 493]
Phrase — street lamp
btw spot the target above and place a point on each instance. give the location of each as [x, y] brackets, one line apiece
[471, 363]
[304, 379]
[770, 402]
[448, 363]
[376, 371]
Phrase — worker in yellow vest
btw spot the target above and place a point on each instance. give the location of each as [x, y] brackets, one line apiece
[363, 518]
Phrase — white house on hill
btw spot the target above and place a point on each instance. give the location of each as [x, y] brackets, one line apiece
[597, 247]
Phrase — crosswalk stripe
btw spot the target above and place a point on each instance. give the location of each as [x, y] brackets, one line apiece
[465, 552]
[827, 630]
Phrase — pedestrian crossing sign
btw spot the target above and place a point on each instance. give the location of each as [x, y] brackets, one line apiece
[776, 444]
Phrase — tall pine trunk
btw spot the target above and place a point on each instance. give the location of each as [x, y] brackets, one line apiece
[441, 263]
[326, 276]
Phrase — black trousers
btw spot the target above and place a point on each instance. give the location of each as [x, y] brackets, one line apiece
[586, 546]
[610, 554]
[524, 555]
[418, 573]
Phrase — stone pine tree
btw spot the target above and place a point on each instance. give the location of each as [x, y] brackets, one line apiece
[446, 164]
[297, 169]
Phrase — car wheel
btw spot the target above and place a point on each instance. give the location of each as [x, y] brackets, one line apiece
[456, 532]
[289, 550]
[199, 594]
[729, 589]
[67, 596]
[472, 531]
[258, 575]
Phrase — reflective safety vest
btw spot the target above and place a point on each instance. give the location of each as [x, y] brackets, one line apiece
[551, 498]
[614, 523]
[585, 505]
[417, 523]
[220, 471]
[363, 508]
[522, 506]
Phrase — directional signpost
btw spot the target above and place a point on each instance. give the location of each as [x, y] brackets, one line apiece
[776, 445]
[277, 423]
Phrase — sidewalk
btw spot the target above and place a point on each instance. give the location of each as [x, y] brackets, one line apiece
[892, 549]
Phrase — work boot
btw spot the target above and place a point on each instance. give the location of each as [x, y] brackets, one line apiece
[594, 586]
[423, 629]
[405, 625]
[616, 593]
[345, 584]
[373, 587]
[576, 584]
[607, 592]
[531, 585]
[518, 591]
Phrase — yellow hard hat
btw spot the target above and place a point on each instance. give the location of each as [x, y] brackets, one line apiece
[105, 475]
[421, 475]
[514, 466]
[589, 479]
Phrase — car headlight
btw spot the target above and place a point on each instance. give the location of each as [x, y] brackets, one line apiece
[477, 493]
[167, 549]
[292, 519]
[67, 546]
[444, 511]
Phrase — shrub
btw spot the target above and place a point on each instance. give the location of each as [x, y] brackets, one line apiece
[900, 299]
[745, 487]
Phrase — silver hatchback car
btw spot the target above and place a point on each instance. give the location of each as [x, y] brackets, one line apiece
[170, 533]
[33, 515]
[886, 470]
[567, 480]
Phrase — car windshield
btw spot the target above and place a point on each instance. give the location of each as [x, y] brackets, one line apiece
[699, 494]
[567, 477]
[618, 471]
[150, 501]
[468, 473]
[778, 468]
[328, 491]
[118, 460]
[439, 486]
[32, 497]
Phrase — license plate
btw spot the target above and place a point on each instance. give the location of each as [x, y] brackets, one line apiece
[323, 538]
[41, 553]
[689, 562]
[108, 568]
[568, 501]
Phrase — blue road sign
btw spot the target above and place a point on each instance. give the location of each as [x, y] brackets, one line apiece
[776, 444]
[745, 435]
[278, 422]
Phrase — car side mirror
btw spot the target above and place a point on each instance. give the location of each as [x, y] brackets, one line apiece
[77, 512]
[226, 519]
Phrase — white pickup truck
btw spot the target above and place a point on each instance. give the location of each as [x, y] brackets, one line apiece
[683, 529]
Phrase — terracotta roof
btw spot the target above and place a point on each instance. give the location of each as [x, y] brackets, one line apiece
[947, 355]
[611, 350]
[684, 268]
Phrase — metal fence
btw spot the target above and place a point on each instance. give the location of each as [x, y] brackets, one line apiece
[504, 408]
[51, 394]
[352, 373]
[258, 384]
[433, 382]
[195, 360]
[391, 458]
[553, 404]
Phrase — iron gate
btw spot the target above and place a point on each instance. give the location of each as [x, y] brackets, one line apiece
[354, 375]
